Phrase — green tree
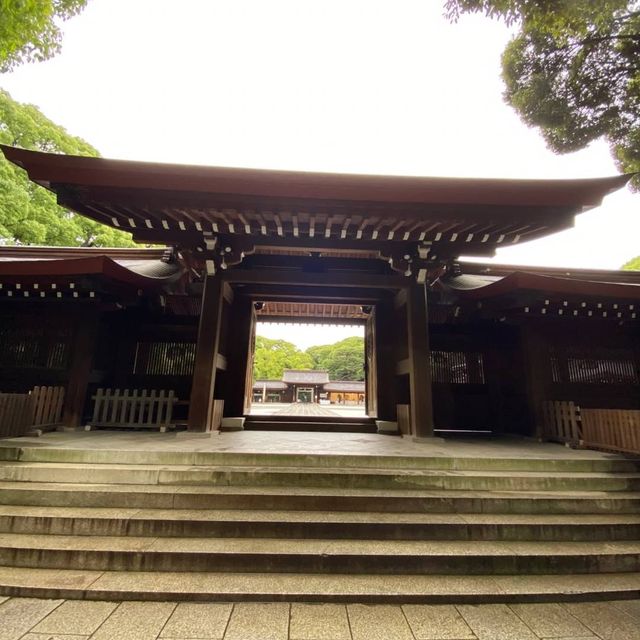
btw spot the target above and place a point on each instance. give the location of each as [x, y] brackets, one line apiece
[343, 360]
[573, 70]
[272, 357]
[29, 30]
[28, 213]
[632, 265]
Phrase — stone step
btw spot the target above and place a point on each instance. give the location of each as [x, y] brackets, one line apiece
[327, 425]
[317, 499]
[237, 555]
[314, 524]
[233, 587]
[574, 463]
[302, 477]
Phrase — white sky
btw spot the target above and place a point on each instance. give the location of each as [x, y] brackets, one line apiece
[362, 86]
[306, 335]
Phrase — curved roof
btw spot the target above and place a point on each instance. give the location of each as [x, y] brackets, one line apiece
[138, 268]
[176, 204]
[481, 287]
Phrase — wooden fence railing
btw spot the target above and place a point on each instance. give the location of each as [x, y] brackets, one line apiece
[47, 406]
[16, 412]
[133, 409]
[41, 409]
[614, 429]
[609, 429]
[561, 421]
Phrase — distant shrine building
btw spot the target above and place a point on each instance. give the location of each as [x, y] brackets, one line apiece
[449, 344]
[309, 387]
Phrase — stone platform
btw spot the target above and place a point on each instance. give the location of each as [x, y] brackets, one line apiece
[304, 443]
[315, 517]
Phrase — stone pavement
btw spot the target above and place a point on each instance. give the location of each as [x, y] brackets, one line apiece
[32, 619]
[305, 409]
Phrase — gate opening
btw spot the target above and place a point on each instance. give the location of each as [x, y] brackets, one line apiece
[309, 367]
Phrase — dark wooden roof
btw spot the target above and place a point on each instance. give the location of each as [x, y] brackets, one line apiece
[176, 204]
[138, 268]
[554, 293]
[270, 385]
[549, 285]
[346, 386]
[305, 376]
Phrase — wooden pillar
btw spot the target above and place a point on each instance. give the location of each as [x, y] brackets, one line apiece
[204, 371]
[536, 371]
[419, 362]
[239, 353]
[84, 344]
[385, 356]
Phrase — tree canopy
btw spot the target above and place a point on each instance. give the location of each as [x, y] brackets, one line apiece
[632, 265]
[573, 70]
[343, 360]
[272, 357]
[29, 30]
[28, 213]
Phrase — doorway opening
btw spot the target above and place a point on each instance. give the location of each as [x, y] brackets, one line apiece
[307, 365]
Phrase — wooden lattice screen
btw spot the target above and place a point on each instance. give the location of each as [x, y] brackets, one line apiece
[594, 365]
[165, 358]
[457, 367]
[32, 347]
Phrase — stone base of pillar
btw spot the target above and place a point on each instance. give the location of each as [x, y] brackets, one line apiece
[386, 426]
[232, 424]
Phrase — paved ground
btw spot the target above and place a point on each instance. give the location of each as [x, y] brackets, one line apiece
[31, 619]
[305, 409]
[271, 408]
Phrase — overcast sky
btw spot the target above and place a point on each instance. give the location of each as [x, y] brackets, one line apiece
[362, 86]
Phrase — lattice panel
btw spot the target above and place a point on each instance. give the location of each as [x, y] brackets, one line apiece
[165, 358]
[33, 347]
[594, 366]
[457, 367]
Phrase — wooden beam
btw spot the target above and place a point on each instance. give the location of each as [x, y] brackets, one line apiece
[300, 293]
[312, 320]
[374, 281]
[204, 372]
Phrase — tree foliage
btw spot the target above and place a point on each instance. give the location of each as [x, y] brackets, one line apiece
[343, 360]
[28, 213]
[272, 357]
[573, 70]
[632, 265]
[29, 30]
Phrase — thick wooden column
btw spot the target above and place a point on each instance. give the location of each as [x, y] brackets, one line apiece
[419, 364]
[81, 361]
[238, 356]
[204, 371]
[385, 371]
[536, 371]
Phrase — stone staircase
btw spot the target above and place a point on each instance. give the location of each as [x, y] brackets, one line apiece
[158, 525]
